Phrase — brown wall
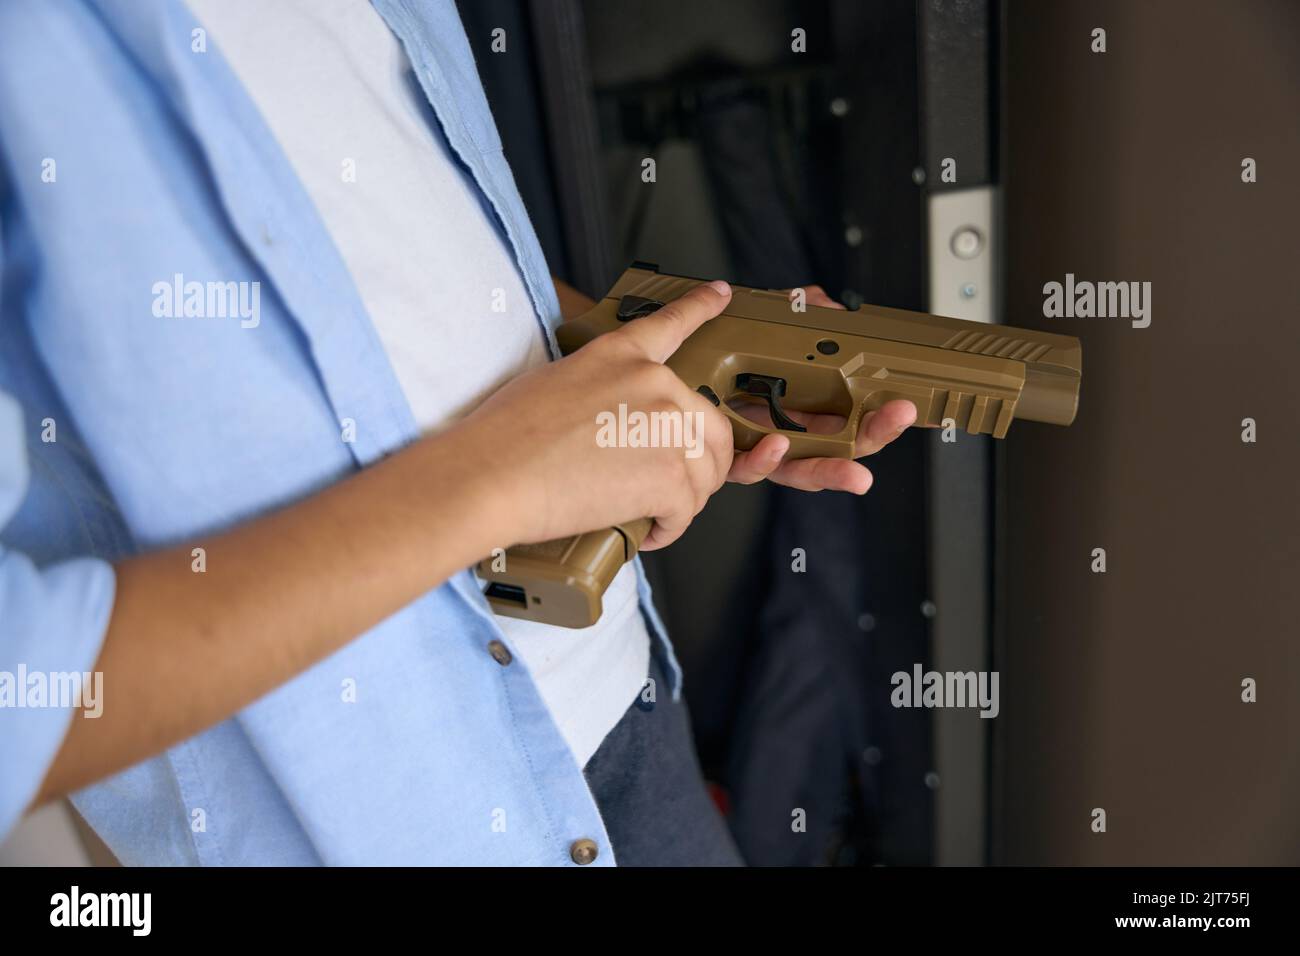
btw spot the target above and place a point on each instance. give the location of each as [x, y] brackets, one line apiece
[1122, 690]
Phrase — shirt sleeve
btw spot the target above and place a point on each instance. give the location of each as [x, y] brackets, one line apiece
[52, 623]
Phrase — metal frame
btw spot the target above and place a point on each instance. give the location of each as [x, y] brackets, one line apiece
[956, 59]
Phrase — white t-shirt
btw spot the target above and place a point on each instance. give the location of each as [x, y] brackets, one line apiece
[334, 84]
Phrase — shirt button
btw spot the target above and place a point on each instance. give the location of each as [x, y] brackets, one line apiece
[584, 851]
[500, 653]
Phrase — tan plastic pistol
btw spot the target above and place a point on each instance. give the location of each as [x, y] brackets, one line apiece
[764, 349]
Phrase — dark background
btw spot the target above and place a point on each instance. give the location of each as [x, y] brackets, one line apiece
[1123, 690]
[1118, 690]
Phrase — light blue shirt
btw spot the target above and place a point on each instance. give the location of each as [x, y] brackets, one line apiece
[128, 155]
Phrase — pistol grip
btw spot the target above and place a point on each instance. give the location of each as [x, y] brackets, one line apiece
[561, 582]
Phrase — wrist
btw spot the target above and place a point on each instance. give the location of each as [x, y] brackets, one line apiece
[480, 494]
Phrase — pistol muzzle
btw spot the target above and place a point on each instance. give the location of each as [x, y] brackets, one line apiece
[1050, 394]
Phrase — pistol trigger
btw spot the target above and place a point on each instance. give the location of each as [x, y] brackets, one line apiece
[771, 388]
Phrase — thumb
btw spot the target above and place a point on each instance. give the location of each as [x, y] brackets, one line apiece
[662, 332]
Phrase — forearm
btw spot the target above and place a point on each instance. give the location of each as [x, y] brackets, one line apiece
[185, 650]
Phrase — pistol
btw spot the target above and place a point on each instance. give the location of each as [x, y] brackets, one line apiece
[762, 349]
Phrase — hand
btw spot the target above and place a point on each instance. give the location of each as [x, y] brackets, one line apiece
[877, 430]
[538, 434]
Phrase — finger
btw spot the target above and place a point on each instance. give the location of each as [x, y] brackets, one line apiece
[823, 474]
[815, 422]
[666, 530]
[713, 433]
[877, 429]
[816, 295]
[749, 467]
[660, 333]
[882, 426]
[704, 477]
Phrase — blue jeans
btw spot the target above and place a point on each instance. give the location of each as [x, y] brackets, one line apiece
[647, 782]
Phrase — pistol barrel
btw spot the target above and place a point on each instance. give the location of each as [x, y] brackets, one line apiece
[1049, 395]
